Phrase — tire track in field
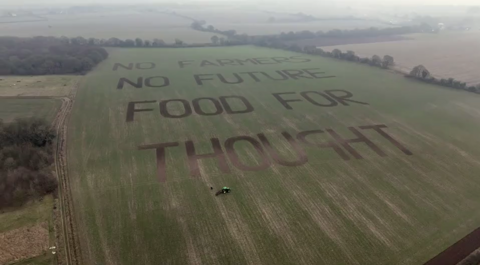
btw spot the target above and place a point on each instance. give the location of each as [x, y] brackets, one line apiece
[236, 226]
[128, 184]
[435, 140]
[408, 130]
[443, 184]
[358, 213]
[440, 187]
[401, 186]
[69, 248]
[177, 207]
[321, 215]
[277, 221]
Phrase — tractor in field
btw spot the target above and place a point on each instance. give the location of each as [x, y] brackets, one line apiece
[224, 190]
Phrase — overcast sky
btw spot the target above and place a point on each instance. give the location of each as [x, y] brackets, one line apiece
[382, 2]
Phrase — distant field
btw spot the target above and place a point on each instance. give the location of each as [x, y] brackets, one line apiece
[329, 41]
[276, 28]
[13, 108]
[445, 55]
[255, 22]
[158, 24]
[21, 19]
[37, 86]
[106, 25]
[311, 182]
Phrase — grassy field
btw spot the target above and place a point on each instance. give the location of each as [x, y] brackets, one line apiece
[13, 108]
[389, 209]
[37, 86]
[30, 214]
[451, 57]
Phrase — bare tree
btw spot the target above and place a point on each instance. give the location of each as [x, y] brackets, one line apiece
[376, 60]
[388, 61]
[158, 43]
[138, 42]
[420, 71]
[337, 53]
[178, 42]
[214, 39]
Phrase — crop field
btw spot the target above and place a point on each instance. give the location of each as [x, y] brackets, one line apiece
[444, 55]
[106, 25]
[329, 162]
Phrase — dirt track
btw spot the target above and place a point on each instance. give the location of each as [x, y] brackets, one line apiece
[67, 240]
[458, 251]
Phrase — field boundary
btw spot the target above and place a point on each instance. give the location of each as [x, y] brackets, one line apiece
[458, 251]
[69, 251]
[23, 21]
[32, 97]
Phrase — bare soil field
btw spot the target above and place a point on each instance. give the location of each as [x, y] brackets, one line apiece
[37, 86]
[320, 42]
[444, 55]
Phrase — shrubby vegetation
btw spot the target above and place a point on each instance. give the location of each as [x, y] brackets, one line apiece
[48, 55]
[385, 62]
[421, 73]
[25, 161]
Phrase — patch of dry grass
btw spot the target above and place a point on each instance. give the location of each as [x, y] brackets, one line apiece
[23, 243]
[37, 86]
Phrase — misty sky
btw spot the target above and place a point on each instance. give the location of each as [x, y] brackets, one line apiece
[357, 2]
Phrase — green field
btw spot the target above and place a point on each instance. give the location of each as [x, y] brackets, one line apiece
[389, 209]
[13, 108]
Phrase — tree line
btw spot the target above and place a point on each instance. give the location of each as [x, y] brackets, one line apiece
[386, 62]
[132, 43]
[264, 40]
[47, 55]
[418, 72]
[421, 73]
[26, 156]
[278, 41]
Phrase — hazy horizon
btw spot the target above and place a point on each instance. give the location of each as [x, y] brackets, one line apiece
[129, 2]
